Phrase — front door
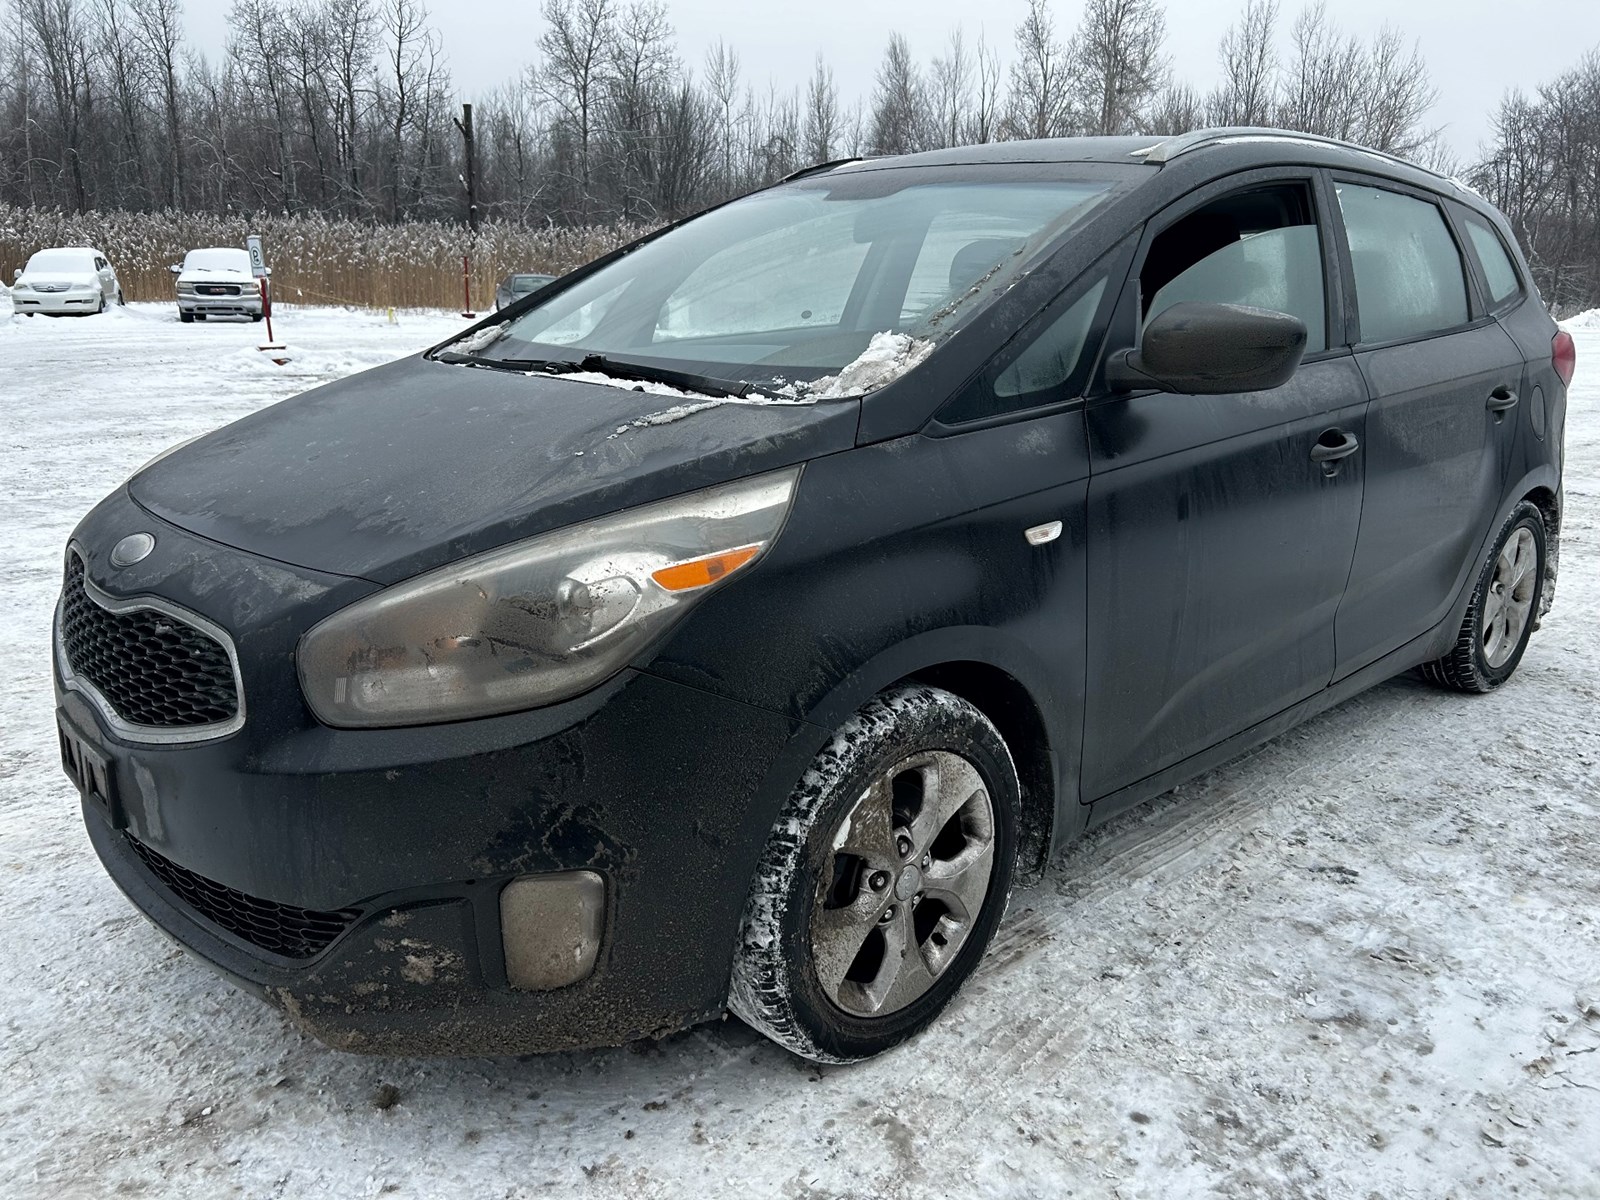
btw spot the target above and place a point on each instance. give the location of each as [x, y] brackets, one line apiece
[1440, 372]
[1218, 547]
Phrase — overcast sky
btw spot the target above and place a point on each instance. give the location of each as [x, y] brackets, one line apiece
[1476, 49]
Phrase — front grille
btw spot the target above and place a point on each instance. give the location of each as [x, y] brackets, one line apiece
[153, 669]
[217, 289]
[277, 928]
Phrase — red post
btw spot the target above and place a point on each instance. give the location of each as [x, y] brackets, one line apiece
[466, 287]
[266, 305]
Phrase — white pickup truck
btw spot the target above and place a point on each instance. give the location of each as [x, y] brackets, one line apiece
[217, 282]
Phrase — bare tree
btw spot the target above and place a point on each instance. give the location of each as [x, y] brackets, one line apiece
[1178, 109]
[899, 103]
[950, 84]
[574, 47]
[1247, 94]
[1396, 94]
[821, 132]
[61, 37]
[722, 78]
[158, 26]
[127, 77]
[983, 123]
[1040, 101]
[1119, 65]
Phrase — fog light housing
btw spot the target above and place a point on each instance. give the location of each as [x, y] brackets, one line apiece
[550, 926]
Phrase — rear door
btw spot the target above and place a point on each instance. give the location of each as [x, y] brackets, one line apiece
[1218, 548]
[1443, 376]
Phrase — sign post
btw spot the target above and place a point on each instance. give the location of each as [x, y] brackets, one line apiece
[258, 268]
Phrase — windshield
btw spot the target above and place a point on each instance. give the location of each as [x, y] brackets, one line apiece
[217, 260]
[792, 283]
[523, 284]
[61, 260]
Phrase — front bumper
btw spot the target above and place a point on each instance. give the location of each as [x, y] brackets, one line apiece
[666, 791]
[77, 301]
[221, 306]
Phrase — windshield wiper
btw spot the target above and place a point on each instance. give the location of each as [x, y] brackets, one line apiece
[600, 364]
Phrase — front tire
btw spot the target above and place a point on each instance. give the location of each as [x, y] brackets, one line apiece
[883, 881]
[186, 317]
[1501, 615]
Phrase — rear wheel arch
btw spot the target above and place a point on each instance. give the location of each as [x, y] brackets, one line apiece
[1548, 501]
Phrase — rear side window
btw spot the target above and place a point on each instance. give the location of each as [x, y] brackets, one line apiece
[1410, 279]
[1498, 269]
[1258, 247]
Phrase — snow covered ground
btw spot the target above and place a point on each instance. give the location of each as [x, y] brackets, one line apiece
[1363, 961]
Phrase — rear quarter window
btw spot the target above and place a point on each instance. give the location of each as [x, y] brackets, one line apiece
[1499, 271]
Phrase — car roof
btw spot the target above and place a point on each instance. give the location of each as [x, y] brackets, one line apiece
[1224, 147]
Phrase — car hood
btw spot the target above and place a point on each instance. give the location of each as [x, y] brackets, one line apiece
[203, 275]
[419, 463]
[59, 279]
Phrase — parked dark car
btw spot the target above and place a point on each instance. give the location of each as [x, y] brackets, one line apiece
[733, 627]
[514, 287]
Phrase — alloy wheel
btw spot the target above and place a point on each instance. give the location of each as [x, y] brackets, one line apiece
[1510, 598]
[909, 876]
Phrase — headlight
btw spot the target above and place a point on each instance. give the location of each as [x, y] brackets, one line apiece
[185, 289]
[538, 621]
[19, 286]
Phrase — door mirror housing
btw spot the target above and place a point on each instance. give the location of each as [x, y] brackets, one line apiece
[16, 274]
[175, 269]
[1211, 350]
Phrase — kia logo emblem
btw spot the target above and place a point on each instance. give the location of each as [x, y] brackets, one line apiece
[134, 548]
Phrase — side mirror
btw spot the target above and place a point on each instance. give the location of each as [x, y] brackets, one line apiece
[268, 270]
[1211, 350]
[16, 274]
[175, 269]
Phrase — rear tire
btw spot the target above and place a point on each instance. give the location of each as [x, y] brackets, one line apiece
[883, 881]
[1503, 610]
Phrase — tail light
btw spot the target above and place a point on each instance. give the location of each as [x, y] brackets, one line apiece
[1563, 356]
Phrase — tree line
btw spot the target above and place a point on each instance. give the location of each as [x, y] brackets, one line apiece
[347, 108]
[1543, 171]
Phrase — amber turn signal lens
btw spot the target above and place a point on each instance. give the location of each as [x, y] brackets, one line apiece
[699, 572]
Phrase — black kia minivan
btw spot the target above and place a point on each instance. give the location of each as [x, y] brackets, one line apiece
[732, 623]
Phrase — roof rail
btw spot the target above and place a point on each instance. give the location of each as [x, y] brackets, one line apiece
[818, 168]
[1170, 148]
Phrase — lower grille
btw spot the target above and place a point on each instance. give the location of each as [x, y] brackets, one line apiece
[154, 670]
[277, 928]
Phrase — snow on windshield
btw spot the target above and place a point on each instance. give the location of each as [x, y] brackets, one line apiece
[218, 259]
[62, 260]
[887, 357]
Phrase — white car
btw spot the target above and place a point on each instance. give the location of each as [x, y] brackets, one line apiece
[217, 282]
[68, 279]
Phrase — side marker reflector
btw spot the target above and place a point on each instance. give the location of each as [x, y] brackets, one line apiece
[701, 572]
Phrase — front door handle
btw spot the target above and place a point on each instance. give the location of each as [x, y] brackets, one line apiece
[1334, 446]
[1501, 399]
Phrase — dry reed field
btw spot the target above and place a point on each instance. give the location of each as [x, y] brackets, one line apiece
[315, 259]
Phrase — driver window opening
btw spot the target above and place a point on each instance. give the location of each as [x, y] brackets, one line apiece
[1258, 247]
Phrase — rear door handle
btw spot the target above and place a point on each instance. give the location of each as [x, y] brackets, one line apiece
[1501, 399]
[1333, 446]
